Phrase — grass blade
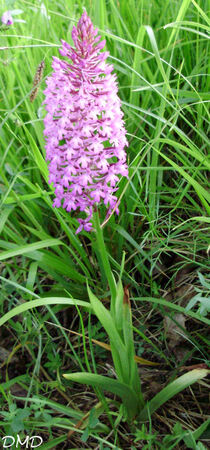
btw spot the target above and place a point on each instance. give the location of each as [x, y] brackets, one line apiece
[42, 302]
[108, 384]
[171, 390]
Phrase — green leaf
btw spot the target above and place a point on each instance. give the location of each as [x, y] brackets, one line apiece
[191, 438]
[171, 390]
[4, 216]
[54, 442]
[41, 163]
[42, 401]
[137, 61]
[202, 193]
[42, 302]
[104, 255]
[182, 10]
[29, 248]
[122, 390]
[130, 350]
[158, 58]
[118, 306]
[117, 347]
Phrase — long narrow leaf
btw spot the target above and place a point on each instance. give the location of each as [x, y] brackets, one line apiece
[117, 346]
[42, 302]
[125, 392]
[171, 390]
[29, 248]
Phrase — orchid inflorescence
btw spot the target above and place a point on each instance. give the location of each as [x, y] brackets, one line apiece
[84, 129]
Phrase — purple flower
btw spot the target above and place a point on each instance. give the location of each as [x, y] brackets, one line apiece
[84, 130]
[7, 18]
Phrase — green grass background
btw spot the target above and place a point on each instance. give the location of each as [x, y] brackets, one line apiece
[160, 55]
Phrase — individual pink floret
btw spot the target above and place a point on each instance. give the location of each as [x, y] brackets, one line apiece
[7, 18]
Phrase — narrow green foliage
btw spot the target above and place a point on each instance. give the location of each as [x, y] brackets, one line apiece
[171, 390]
[142, 265]
[41, 302]
[105, 383]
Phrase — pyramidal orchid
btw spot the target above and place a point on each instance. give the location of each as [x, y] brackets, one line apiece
[84, 130]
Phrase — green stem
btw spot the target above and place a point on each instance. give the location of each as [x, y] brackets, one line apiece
[104, 257]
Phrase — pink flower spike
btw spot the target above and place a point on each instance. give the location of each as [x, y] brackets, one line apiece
[7, 18]
[84, 128]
